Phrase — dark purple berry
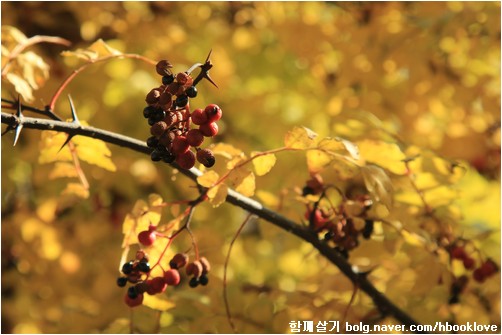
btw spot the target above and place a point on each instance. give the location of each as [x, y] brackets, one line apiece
[203, 280]
[156, 155]
[191, 92]
[148, 111]
[121, 281]
[144, 266]
[127, 268]
[194, 282]
[168, 157]
[132, 292]
[181, 101]
[166, 80]
[152, 142]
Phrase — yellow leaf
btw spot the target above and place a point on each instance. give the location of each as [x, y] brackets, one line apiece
[413, 238]
[300, 138]
[76, 189]
[243, 180]
[208, 178]
[118, 326]
[339, 145]
[94, 152]
[50, 143]
[226, 150]
[63, 170]
[269, 199]
[155, 200]
[384, 154]
[317, 160]
[98, 49]
[263, 164]
[378, 183]
[217, 194]
[157, 303]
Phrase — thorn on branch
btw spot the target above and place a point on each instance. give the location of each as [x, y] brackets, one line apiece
[204, 71]
[19, 115]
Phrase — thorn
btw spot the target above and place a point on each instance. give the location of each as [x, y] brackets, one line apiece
[66, 142]
[206, 76]
[19, 127]
[209, 55]
[73, 112]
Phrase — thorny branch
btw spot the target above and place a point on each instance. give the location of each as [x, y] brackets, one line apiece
[384, 305]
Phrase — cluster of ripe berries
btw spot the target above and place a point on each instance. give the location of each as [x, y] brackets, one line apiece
[339, 228]
[168, 114]
[482, 272]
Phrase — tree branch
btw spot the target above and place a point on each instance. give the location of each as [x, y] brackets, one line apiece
[385, 306]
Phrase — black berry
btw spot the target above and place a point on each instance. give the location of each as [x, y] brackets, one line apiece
[166, 80]
[148, 111]
[152, 142]
[144, 266]
[173, 265]
[127, 268]
[121, 281]
[132, 292]
[368, 228]
[168, 157]
[191, 92]
[156, 155]
[194, 282]
[203, 280]
[181, 101]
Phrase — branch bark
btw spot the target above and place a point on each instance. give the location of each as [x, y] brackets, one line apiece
[384, 305]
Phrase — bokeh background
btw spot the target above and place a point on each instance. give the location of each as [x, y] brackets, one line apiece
[428, 71]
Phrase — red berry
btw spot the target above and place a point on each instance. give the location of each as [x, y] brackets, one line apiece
[469, 263]
[133, 302]
[147, 238]
[458, 253]
[213, 112]
[195, 137]
[199, 117]
[206, 157]
[478, 275]
[180, 145]
[158, 285]
[186, 160]
[209, 129]
[488, 268]
[195, 268]
[172, 277]
[179, 260]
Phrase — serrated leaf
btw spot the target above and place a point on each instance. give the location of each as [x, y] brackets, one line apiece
[384, 154]
[378, 184]
[50, 144]
[157, 303]
[63, 170]
[98, 49]
[243, 181]
[263, 164]
[208, 178]
[76, 189]
[94, 152]
[217, 194]
[300, 138]
[317, 160]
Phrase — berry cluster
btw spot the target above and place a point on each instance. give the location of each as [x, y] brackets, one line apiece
[169, 117]
[138, 271]
[337, 224]
[482, 272]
